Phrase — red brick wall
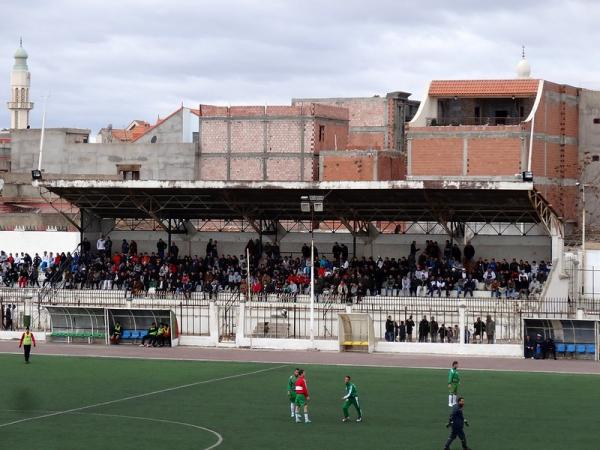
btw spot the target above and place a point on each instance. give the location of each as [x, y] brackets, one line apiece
[358, 168]
[493, 156]
[284, 136]
[284, 169]
[214, 136]
[391, 167]
[366, 141]
[335, 136]
[437, 156]
[213, 168]
[247, 136]
[362, 112]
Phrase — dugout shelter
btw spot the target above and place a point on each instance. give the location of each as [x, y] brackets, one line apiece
[93, 325]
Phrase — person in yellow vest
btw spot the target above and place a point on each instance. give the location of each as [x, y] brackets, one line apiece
[159, 336]
[27, 339]
[116, 335]
[165, 337]
[150, 336]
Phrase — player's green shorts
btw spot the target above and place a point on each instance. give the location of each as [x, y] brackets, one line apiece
[453, 389]
[292, 397]
[300, 400]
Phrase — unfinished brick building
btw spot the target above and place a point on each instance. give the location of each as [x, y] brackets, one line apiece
[500, 128]
[267, 142]
[376, 137]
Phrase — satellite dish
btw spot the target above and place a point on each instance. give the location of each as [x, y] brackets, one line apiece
[109, 127]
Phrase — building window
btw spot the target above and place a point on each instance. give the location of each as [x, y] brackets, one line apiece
[321, 133]
[595, 158]
[597, 120]
[195, 137]
[129, 171]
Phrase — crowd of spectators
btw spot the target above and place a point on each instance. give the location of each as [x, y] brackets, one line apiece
[431, 271]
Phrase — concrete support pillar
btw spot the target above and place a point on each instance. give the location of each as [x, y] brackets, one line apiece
[462, 322]
[580, 314]
[213, 322]
[240, 332]
[348, 308]
[556, 233]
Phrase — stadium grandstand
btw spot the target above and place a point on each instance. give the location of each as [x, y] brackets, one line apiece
[261, 226]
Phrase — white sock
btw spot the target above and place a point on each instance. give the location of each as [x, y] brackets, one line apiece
[450, 397]
[298, 416]
[292, 408]
[453, 400]
[306, 417]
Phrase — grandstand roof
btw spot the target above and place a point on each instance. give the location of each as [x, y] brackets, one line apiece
[419, 200]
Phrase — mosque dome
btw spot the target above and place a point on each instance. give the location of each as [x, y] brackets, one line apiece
[21, 53]
[20, 58]
[523, 67]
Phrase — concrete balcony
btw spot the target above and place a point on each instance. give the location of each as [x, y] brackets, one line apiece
[20, 105]
[473, 121]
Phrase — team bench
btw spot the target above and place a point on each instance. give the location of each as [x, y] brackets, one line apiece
[72, 335]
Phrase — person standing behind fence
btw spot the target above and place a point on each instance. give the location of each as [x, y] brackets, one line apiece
[433, 328]
[479, 329]
[442, 332]
[410, 324]
[27, 339]
[423, 329]
[490, 329]
[6, 317]
[389, 329]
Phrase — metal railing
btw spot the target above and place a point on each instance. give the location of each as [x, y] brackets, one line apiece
[459, 121]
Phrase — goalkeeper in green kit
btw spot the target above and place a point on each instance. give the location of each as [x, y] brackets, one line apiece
[292, 392]
[351, 398]
[453, 382]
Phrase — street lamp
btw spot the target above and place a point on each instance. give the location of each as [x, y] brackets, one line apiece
[312, 204]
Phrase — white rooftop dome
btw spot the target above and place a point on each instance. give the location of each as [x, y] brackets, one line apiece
[523, 68]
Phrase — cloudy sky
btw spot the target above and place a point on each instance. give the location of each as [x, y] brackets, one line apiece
[113, 61]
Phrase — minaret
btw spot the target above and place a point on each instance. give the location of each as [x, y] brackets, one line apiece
[20, 79]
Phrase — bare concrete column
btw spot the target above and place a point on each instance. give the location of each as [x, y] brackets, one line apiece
[462, 322]
[240, 332]
[213, 322]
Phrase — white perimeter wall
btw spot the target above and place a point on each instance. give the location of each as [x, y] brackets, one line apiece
[390, 245]
[592, 271]
[33, 242]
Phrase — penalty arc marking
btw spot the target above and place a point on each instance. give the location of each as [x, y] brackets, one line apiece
[148, 419]
[147, 394]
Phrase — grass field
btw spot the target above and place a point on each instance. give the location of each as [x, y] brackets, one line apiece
[246, 404]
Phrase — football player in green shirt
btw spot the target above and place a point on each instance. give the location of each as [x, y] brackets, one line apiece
[453, 382]
[292, 392]
[351, 398]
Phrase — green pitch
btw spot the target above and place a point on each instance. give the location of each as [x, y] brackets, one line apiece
[403, 408]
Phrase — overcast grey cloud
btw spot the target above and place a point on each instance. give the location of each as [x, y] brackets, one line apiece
[114, 61]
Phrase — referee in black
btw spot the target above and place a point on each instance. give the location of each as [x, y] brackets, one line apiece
[457, 422]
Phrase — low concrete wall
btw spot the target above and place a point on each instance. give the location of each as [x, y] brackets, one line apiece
[16, 335]
[506, 350]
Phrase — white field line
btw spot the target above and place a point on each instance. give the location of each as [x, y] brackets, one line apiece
[133, 397]
[448, 358]
[149, 419]
[340, 364]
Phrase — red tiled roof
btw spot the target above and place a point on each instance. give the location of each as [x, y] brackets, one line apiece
[483, 88]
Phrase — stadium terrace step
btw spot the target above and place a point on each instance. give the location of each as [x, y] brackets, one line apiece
[271, 330]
